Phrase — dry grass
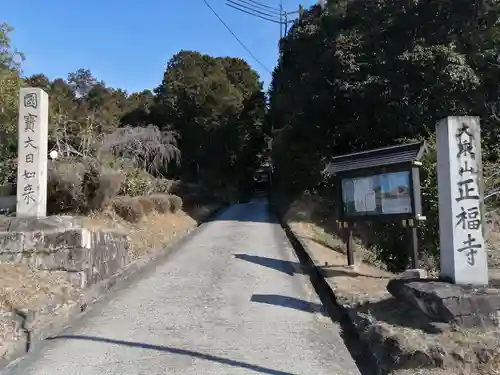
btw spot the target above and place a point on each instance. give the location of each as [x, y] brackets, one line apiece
[315, 214]
[162, 202]
[366, 284]
[363, 280]
[152, 232]
[23, 287]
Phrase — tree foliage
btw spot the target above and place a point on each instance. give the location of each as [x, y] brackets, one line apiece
[203, 122]
[218, 107]
[364, 74]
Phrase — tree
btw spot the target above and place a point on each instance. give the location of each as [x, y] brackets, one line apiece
[208, 109]
[203, 98]
[138, 107]
[10, 82]
[147, 148]
[369, 73]
[10, 59]
[358, 75]
[81, 81]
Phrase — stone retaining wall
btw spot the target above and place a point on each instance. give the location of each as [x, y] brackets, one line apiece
[60, 243]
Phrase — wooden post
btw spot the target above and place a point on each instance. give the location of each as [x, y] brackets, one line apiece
[414, 243]
[350, 245]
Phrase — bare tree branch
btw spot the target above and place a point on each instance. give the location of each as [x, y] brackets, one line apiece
[148, 148]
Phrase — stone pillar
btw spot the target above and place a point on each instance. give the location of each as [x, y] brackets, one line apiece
[464, 258]
[32, 153]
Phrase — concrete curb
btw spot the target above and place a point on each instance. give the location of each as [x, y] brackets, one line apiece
[322, 287]
[33, 336]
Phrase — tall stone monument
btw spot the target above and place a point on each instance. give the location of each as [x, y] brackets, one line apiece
[460, 188]
[32, 153]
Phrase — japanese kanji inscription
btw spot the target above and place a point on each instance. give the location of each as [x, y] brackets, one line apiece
[460, 191]
[32, 153]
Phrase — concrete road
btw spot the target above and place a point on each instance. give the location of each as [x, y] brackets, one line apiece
[231, 300]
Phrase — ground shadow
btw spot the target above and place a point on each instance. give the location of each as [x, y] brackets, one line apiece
[257, 210]
[196, 212]
[290, 268]
[168, 349]
[494, 283]
[326, 271]
[289, 302]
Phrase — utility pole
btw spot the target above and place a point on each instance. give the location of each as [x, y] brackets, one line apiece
[282, 19]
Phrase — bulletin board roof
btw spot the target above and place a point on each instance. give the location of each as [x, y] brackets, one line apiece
[393, 155]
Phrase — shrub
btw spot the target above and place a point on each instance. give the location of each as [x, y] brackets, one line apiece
[64, 188]
[8, 171]
[175, 203]
[162, 202]
[91, 177]
[136, 183]
[192, 194]
[128, 208]
[162, 185]
[177, 186]
[147, 204]
[109, 184]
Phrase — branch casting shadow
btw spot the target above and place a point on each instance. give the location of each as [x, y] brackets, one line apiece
[290, 268]
[290, 302]
[167, 349]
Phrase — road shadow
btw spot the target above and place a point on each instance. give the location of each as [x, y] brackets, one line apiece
[198, 212]
[171, 350]
[289, 302]
[254, 211]
[290, 268]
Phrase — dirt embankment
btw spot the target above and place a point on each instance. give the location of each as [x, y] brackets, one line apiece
[392, 330]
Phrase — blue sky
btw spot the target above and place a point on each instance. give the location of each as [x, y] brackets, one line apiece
[127, 43]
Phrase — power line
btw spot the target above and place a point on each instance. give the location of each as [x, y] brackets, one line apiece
[236, 37]
[265, 12]
[244, 5]
[253, 14]
[262, 6]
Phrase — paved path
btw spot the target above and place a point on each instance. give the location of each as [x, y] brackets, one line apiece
[229, 301]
